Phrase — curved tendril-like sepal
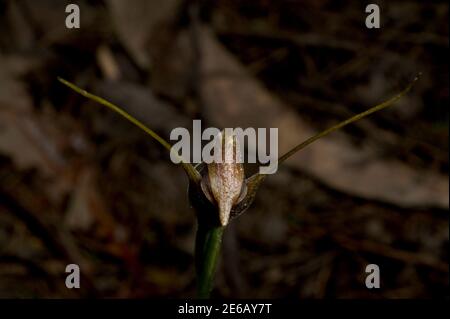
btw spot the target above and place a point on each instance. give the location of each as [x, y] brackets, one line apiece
[188, 168]
[256, 180]
[350, 120]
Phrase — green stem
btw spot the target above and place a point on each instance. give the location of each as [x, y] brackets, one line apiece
[207, 250]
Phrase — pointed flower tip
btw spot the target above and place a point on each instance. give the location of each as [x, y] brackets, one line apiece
[226, 178]
[224, 214]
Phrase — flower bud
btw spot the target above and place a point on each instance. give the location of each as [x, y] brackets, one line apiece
[226, 177]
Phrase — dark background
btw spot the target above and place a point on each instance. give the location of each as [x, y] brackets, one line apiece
[79, 184]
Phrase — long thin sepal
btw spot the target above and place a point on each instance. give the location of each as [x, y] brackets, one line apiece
[355, 118]
[189, 169]
[255, 181]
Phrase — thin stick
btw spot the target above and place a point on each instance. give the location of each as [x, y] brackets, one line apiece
[190, 170]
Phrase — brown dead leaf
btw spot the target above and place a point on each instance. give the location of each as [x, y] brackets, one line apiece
[139, 23]
[87, 206]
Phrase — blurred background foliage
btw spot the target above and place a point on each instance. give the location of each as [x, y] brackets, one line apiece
[78, 184]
